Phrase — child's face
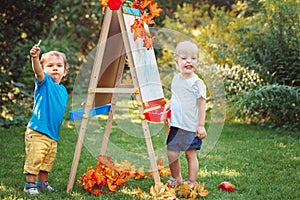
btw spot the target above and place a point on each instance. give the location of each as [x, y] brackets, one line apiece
[187, 61]
[55, 68]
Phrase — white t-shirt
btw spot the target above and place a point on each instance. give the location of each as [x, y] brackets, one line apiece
[183, 104]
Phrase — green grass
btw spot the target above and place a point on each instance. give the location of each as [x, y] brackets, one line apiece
[262, 164]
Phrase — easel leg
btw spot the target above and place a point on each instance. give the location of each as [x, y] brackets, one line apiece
[77, 154]
[150, 151]
[109, 124]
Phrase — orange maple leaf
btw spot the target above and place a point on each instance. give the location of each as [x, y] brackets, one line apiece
[136, 4]
[136, 24]
[106, 161]
[148, 41]
[100, 179]
[103, 2]
[147, 18]
[146, 3]
[111, 186]
[112, 175]
[202, 192]
[139, 32]
[120, 182]
[154, 9]
[140, 174]
[96, 192]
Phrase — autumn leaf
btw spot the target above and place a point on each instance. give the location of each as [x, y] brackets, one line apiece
[145, 4]
[105, 160]
[97, 192]
[191, 192]
[140, 174]
[147, 18]
[137, 23]
[120, 181]
[161, 191]
[139, 191]
[100, 178]
[138, 33]
[136, 4]
[155, 10]
[111, 186]
[148, 42]
[103, 2]
[183, 190]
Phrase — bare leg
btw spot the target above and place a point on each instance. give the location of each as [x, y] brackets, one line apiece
[30, 178]
[193, 165]
[43, 176]
[174, 164]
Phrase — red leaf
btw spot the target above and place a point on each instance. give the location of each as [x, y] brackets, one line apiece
[114, 4]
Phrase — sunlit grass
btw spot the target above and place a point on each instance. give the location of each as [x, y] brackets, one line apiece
[261, 163]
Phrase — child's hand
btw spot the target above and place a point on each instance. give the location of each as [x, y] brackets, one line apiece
[35, 51]
[201, 132]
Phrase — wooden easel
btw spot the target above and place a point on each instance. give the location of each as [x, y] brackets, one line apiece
[101, 86]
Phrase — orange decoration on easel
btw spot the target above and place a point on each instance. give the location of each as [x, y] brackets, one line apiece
[146, 17]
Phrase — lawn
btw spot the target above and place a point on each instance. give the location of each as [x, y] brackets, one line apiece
[262, 164]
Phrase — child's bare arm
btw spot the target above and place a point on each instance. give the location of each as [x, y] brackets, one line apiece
[201, 132]
[36, 66]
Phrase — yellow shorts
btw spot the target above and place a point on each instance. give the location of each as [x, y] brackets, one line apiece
[40, 152]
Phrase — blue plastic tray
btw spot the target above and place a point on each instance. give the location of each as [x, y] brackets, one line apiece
[77, 114]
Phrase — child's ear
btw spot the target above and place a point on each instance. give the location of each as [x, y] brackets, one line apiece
[176, 60]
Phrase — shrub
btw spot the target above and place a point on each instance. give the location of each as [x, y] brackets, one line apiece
[237, 79]
[272, 105]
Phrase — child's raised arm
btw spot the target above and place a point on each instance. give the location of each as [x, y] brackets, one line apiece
[36, 66]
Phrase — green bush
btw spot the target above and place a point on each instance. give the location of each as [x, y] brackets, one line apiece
[275, 105]
[278, 46]
[237, 79]
[68, 26]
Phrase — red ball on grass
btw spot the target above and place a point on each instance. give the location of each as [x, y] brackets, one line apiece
[226, 186]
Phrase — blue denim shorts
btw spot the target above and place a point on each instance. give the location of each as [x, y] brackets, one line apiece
[182, 140]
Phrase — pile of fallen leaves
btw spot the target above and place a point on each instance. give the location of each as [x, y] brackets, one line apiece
[191, 192]
[107, 176]
[161, 191]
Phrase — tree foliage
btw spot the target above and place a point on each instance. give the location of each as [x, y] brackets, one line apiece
[68, 26]
[257, 38]
[21, 22]
[253, 46]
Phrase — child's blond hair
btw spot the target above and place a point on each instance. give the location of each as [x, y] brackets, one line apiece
[55, 53]
[186, 46]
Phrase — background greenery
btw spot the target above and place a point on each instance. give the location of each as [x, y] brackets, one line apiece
[254, 47]
[253, 44]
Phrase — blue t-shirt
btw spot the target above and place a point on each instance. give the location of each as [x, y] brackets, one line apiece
[50, 102]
